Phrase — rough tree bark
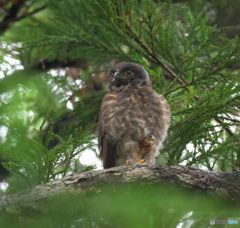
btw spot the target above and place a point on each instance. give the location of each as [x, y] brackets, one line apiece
[225, 184]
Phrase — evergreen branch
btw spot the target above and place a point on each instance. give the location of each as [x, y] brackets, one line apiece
[27, 7]
[227, 129]
[165, 67]
[5, 24]
[171, 75]
[29, 14]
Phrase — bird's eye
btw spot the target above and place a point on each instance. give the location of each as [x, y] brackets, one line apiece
[128, 73]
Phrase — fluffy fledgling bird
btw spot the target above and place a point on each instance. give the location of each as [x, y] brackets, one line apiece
[133, 118]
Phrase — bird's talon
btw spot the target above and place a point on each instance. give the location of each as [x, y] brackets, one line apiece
[147, 145]
[128, 162]
[141, 161]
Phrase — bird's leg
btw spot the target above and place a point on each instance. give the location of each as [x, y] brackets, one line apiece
[130, 155]
[146, 146]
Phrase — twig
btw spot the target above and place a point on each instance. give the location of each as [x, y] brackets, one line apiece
[171, 75]
[227, 129]
[5, 24]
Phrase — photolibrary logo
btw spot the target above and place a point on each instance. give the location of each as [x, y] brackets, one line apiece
[212, 221]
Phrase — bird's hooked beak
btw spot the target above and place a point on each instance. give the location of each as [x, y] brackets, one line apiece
[116, 76]
[119, 81]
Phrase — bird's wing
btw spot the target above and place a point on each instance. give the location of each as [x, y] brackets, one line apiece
[107, 147]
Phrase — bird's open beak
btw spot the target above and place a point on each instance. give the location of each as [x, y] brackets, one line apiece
[116, 76]
[119, 80]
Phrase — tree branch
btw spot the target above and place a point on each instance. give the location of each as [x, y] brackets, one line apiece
[225, 184]
[171, 75]
[7, 22]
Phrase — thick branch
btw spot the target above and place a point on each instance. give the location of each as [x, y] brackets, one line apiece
[226, 184]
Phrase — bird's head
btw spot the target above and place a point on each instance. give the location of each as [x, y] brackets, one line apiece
[126, 74]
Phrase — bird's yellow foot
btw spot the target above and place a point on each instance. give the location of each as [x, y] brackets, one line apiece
[128, 162]
[147, 145]
[141, 161]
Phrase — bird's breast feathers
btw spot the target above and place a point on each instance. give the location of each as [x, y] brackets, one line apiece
[137, 112]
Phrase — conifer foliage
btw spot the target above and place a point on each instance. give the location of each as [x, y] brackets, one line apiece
[54, 56]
